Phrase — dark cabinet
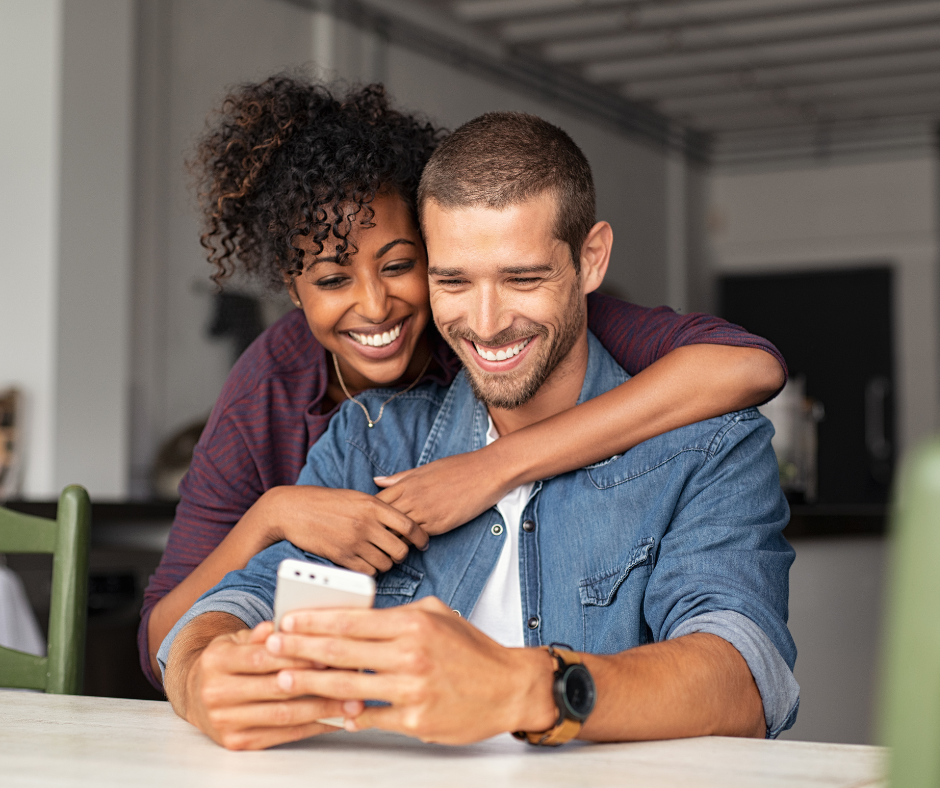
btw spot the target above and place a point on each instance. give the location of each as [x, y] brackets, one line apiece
[834, 328]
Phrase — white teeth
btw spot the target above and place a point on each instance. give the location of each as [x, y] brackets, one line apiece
[501, 355]
[378, 340]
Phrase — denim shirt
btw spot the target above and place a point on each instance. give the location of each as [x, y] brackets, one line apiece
[680, 534]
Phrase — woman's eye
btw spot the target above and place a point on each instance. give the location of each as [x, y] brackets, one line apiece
[331, 282]
[400, 267]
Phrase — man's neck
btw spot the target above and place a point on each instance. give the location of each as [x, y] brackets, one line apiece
[559, 392]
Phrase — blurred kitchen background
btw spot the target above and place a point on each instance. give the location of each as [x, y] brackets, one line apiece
[773, 161]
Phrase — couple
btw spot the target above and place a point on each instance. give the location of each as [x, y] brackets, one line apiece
[674, 546]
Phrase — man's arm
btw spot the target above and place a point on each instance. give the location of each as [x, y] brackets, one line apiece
[448, 682]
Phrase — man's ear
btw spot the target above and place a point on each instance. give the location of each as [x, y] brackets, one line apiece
[595, 256]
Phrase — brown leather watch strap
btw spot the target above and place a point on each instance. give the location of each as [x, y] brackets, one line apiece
[565, 729]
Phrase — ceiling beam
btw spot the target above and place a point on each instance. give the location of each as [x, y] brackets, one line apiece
[797, 27]
[824, 93]
[818, 72]
[765, 56]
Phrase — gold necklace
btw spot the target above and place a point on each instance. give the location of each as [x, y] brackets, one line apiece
[396, 394]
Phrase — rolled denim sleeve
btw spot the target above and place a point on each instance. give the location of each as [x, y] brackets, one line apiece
[723, 565]
[778, 689]
[247, 594]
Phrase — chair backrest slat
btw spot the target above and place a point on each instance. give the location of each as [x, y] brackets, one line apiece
[23, 671]
[67, 538]
[23, 533]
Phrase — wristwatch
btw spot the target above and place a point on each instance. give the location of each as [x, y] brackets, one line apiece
[574, 693]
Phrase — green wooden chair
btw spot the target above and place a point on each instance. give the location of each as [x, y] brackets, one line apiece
[910, 692]
[67, 538]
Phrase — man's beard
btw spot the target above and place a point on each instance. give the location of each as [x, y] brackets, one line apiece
[510, 390]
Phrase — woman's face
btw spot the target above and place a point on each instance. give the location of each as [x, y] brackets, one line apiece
[372, 310]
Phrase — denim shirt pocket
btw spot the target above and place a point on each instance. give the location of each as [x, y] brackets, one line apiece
[603, 620]
[397, 586]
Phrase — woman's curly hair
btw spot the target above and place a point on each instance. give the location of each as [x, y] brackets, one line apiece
[286, 158]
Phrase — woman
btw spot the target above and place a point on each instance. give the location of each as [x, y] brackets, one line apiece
[318, 194]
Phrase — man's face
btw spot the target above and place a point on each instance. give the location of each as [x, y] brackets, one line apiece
[505, 295]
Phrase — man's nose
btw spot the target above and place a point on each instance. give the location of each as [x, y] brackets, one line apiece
[372, 299]
[490, 315]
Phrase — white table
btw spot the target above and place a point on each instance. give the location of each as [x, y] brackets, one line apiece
[76, 741]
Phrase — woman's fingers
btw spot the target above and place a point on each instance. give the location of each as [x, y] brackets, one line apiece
[371, 554]
[391, 518]
[390, 544]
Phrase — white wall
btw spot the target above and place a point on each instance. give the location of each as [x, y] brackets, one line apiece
[65, 222]
[836, 597]
[93, 311]
[30, 60]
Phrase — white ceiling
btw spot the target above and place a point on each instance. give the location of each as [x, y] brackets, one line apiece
[763, 78]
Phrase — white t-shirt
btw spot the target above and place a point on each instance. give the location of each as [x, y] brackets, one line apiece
[498, 611]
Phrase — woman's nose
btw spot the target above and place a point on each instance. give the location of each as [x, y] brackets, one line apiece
[372, 300]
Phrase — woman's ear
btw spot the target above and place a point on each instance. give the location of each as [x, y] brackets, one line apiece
[292, 291]
[595, 256]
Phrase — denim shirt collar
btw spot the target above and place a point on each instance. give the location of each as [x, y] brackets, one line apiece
[462, 421]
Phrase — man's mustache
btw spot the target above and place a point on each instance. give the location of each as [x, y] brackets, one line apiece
[511, 334]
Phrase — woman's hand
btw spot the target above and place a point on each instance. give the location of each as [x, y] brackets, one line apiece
[447, 493]
[351, 529]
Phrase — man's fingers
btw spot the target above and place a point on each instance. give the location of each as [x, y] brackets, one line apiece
[277, 713]
[262, 738]
[365, 624]
[343, 685]
[343, 653]
[254, 658]
[388, 481]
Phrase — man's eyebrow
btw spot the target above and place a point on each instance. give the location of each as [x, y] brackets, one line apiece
[434, 270]
[540, 268]
[391, 244]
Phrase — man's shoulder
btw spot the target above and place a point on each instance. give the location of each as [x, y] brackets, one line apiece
[696, 443]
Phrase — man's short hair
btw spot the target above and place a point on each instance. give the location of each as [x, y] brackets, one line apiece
[505, 158]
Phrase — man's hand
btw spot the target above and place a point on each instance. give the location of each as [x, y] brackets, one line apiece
[449, 492]
[222, 679]
[445, 680]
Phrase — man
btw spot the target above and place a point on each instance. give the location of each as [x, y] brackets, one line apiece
[662, 570]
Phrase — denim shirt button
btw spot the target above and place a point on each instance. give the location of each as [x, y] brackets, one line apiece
[528, 526]
[533, 622]
[497, 529]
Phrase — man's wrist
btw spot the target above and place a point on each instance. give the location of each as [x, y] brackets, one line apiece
[533, 704]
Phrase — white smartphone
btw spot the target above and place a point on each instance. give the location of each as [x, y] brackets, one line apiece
[302, 585]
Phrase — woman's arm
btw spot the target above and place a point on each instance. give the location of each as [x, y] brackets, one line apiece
[686, 385]
[351, 529]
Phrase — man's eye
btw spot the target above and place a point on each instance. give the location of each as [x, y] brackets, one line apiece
[451, 282]
[526, 280]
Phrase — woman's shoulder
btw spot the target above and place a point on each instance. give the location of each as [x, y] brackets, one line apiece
[285, 357]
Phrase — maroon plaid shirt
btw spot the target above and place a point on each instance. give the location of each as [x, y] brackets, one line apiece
[268, 416]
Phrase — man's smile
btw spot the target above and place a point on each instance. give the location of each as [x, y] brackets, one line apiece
[500, 358]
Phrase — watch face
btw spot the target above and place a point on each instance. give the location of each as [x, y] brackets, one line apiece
[579, 694]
